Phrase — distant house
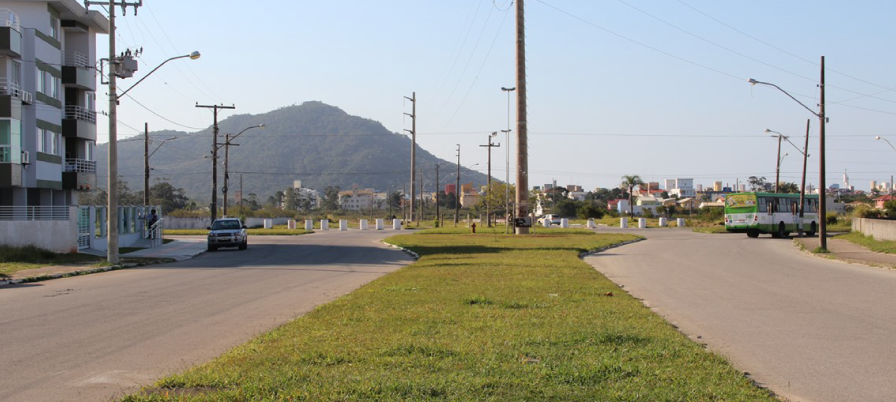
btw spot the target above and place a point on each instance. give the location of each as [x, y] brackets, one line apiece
[613, 204]
[879, 201]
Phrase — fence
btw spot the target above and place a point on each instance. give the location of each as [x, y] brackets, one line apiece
[34, 213]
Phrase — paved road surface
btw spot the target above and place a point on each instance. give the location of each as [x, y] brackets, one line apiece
[97, 337]
[810, 329]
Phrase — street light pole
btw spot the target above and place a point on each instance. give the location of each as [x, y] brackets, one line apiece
[822, 194]
[778, 166]
[114, 98]
[507, 162]
[227, 144]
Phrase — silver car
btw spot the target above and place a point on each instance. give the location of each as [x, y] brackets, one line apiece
[227, 232]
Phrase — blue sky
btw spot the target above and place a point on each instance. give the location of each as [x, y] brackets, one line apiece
[655, 88]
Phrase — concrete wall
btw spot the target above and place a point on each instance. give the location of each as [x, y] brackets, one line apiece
[202, 223]
[881, 229]
[35, 233]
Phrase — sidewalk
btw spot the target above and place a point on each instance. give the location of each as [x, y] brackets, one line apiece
[850, 252]
[182, 248]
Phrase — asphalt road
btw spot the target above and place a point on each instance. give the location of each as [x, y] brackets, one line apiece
[810, 329]
[102, 336]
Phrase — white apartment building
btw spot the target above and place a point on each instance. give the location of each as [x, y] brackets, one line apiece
[683, 188]
[48, 86]
[362, 200]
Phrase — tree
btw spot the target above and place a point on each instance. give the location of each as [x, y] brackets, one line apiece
[759, 184]
[450, 201]
[629, 183]
[497, 199]
[291, 203]
[168, 197]
[788, 188]
[566, 207]
[331, 198]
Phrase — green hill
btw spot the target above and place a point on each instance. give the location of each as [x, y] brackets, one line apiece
[320, 145]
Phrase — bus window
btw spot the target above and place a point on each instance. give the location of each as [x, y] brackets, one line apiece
[763, 205]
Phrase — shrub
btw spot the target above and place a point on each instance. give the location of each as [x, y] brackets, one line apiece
[831, 218]
[865, 211]
[587, 211]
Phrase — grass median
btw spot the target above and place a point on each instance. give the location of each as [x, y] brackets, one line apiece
[479, 317]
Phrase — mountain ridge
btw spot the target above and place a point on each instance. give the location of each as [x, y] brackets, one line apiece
[319, 144]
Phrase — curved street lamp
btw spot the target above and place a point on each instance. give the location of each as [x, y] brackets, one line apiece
[822, 196]
[112, 187]
[226, 146]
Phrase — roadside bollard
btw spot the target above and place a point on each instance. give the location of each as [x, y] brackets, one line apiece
[396, 224]
[623, 223]
[680, 222]
[380, 224]
[363, 224]
[591, 223]
[291, 224]
[642, 223]
[343, 225]
[324, 224]
[309, 224]
[564, 223]
[662, 222]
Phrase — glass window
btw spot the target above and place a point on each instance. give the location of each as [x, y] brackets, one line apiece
[40, 81]
[54, 27]
[763, 204]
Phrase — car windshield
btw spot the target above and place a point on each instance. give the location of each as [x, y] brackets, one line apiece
[230, 224]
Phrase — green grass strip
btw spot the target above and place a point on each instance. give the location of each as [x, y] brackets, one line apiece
[484, 317]
[878, 246]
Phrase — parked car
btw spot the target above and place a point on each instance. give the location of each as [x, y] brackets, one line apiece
[227, 232]
[554, 219]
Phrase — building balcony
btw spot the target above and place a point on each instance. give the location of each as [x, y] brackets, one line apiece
[79, 122]
[10, 34]
[77, 72]
[10, 87]
[79, 174]
[10, 107]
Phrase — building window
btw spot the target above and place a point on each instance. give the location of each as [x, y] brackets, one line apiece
[10, 141]
[54, 27]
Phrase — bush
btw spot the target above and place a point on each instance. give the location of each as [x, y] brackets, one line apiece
[435, 223]
[831, 218]
[589, 211]
[865, 211]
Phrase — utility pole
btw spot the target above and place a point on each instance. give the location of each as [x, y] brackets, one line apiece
[488, 191]
[438, 215]
[214, 206]
[227, 146]
[241, 194]
[457, 189]
[112, 188]
[778, 164]
[822, 186]
[145, 164]
[522, 173]
[413, 132]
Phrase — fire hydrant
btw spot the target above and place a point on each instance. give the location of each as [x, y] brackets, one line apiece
[474, 227]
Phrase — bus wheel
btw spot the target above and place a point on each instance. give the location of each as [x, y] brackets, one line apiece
[812, 230]
[753, 233]
[782, 231]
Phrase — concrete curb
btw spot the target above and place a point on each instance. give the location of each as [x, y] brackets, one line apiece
[408, 252]
[834, 257]
[598, 250]
[40, 278]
